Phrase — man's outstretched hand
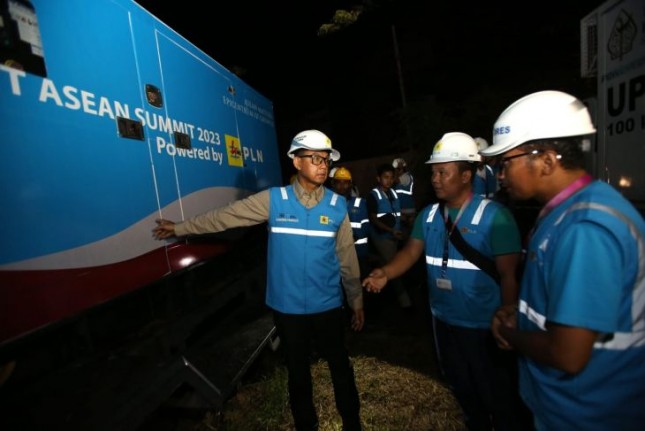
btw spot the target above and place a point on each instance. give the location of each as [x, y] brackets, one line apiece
[164, 229]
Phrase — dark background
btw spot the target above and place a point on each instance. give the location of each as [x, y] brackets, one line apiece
[461, 63]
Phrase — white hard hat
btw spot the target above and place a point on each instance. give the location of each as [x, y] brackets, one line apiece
[399, 163]
[541, 115]
[482, 143]
[332, 171]
[313, 140]
[455, 147]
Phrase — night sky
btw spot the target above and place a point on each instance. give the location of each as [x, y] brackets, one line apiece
[462, 63]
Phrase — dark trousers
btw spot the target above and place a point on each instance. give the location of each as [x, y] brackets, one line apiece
[481, 376]
[297, 332]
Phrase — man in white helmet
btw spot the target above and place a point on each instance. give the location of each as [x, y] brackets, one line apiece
[341, 183]
[310, 249]
[404, 187]
[580, 322]
[472, 252]
[386, 233]
[485, 182]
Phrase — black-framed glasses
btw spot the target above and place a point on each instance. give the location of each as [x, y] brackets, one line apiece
[503, 162]
[316, 159]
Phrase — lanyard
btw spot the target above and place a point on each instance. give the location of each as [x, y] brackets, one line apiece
[446, 219]
[563, 195]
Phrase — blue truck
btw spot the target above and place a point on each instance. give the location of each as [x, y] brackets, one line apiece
[110, 119]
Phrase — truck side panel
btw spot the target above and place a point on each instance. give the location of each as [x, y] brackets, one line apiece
[118, 121]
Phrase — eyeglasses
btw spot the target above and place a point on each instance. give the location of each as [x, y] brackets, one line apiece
[503, 162]
[316, 159]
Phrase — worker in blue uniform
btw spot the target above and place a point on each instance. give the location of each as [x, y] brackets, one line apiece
[404, 188]
[485, 182]
[310, 250]
[341, 183]
[472, 251]
[386, 233]
[580, 322]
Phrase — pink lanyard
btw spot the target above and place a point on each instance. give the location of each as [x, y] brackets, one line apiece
[561, 197]
[564, 194]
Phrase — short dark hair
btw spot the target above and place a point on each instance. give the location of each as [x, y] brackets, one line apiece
[464, 166]
[384, 167]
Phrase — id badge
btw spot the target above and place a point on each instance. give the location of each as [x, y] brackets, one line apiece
[444, 283]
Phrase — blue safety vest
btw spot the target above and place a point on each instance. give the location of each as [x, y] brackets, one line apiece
[357, 210]
[405, 194]
[471, 296]
[487, 185]
[609, 393]
[387, 206]
[303, 269]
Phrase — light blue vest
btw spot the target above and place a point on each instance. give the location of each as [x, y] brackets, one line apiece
[473, 295]
[387, 206]
[487, 185]
[609, 393]
[405, 194]
[303, 270]
[357, 210]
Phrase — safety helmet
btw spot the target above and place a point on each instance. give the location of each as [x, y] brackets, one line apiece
[342, 174]
[399, 163]
[313, 140]
[332, 171]
[482, 143]
[455, 147]
[541, 115]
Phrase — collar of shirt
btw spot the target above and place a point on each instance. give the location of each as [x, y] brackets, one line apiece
[308, 199]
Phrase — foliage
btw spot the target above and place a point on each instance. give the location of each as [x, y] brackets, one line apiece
[341, 19]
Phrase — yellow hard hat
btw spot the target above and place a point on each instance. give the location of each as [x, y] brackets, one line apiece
[342, 174]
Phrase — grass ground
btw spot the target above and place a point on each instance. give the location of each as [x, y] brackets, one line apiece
[396, 374]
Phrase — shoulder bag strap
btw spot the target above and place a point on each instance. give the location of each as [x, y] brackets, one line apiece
[473, 255]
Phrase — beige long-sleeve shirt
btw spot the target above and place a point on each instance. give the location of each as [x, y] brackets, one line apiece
[255, 209]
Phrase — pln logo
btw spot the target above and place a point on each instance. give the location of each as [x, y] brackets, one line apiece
[324, 219]
[234, 151]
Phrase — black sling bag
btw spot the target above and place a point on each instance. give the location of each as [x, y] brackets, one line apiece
[469, 252]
